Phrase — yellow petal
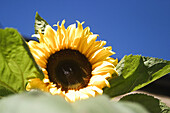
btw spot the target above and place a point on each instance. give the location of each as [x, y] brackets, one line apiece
[88, 91]
[39, 54]
[107, 75]
[53, 91]
[103, 67]
[95, 46]
[101, 55]
[65, 35]
[46, 80]
[79, 29]
[88, 43]
[60, 36]
[78, 34]
[83, 95]
[46, 43]
[32, 44]
[36, 84]
[39, 61]
[83, 39]
[44, 71]
[102, 64]
[70, 96]
[98, 90]
[71, 34]
[52, 38]
[112, 60]
[99, 81]
[38, 46]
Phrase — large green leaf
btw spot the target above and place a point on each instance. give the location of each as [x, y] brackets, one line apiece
[39, 102]
[16, 63]
[152, 104]
[132, 73]
[40, 23]
[156, 68]
[135, 72]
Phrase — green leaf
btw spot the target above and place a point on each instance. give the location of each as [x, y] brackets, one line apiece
[135, 107]
[102, 104]
[99, 104]
[35, 102]
[156, 69]
[136, 72]
[149, 102]
[16, 63]
[132, 72]
[40, 102]
[40, 23]
[164, 108]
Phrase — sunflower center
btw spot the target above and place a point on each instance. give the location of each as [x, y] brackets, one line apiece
[69, 69]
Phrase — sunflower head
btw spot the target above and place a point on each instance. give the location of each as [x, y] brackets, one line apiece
[75, 65]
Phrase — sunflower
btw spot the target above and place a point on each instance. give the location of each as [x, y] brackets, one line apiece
[75, 65]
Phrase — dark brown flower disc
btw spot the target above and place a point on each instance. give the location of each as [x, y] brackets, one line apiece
[69, 69]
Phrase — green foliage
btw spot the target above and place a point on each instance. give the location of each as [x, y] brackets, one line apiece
[136, 72]
[40, 23]
[152, 104]
[164, 108]
[132, 72]
[39, 102]
[16, 63]
[102, 104]
[156, 68]
[34, 102]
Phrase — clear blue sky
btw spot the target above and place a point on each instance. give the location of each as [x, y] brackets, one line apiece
[129, 26]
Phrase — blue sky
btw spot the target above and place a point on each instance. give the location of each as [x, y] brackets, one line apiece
[129, 26]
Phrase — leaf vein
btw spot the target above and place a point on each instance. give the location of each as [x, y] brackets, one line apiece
[8, 87]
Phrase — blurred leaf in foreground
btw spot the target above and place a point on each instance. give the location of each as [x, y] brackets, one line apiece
[39, 102]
